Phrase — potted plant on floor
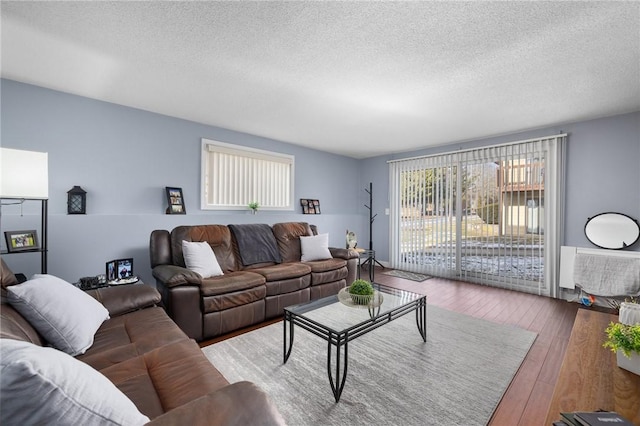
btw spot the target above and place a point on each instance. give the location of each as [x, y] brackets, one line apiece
[623, 338]
[361, 292]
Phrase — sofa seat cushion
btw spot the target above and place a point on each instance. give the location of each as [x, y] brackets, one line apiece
[319, 278]
[288, 285]
[127, 336]
[283, 271]
[327, 271]
[166, 378]
[326, 265]
[230, 282]
[222, 302]
[242, 403]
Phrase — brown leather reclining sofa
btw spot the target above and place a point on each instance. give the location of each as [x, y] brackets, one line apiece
[246, 294]
[147, 357]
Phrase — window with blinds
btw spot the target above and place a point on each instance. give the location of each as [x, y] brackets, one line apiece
[234, 176]
[490, 215]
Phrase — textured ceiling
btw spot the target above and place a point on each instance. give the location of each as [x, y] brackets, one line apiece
[353, 78]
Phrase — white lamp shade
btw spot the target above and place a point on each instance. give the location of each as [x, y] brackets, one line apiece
[24, 174]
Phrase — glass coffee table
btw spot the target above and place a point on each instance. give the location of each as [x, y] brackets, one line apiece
[338, 320]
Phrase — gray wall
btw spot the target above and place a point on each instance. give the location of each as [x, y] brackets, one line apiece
[124, 158]
[603, 173]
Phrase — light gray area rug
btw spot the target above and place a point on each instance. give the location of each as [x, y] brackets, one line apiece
[457, 378]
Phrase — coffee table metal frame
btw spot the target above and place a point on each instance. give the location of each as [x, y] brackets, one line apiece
[294, 315]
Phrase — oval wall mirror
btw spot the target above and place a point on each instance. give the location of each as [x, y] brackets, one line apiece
[612, 230]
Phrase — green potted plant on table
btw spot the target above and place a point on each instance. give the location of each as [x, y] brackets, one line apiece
[623, 338]
[361, 292]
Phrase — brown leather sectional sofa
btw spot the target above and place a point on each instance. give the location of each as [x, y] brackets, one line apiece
[245, 294]
[164, 373]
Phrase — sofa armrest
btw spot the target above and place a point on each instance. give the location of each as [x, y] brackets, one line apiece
[126, 298]
[242, 403]
[343, 253]
[172, 275]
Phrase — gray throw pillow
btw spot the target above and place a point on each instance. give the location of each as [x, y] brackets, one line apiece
[315, 248]
[64, 315]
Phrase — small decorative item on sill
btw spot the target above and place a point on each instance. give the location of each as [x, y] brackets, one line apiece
[76, 201]
[352, 240]
[254, 206]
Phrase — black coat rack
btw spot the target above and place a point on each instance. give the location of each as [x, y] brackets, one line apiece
[371, 259]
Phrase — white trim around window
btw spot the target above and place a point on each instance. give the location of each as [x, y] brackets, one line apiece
[232, 176]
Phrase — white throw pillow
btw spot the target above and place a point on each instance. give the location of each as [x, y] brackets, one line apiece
[200, 258]
[315, 248]
[46, 386]
[64, 315]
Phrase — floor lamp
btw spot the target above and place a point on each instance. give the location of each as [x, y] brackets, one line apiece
[24, 175]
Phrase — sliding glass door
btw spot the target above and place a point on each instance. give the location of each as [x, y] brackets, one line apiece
[480, 215]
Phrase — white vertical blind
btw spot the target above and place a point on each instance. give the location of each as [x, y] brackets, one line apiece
[234, 176]
[490, 215]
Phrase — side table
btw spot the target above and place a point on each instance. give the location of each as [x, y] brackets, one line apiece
[370, 260]
[589, 378]
[92, 283]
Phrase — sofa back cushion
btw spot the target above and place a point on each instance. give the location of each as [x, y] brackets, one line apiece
[7, 278]
[288, 237]
[12, 324]
[255, 245]
[218, 237]
[15, 326]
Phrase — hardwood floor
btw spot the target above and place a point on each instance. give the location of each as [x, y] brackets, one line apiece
[527, 399]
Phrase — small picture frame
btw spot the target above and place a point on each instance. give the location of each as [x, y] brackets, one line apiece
[310, 206]
[111, 271]
[119, 269]
[175, 200]
[21, 240]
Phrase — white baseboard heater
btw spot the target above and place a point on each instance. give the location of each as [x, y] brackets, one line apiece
[600, 272]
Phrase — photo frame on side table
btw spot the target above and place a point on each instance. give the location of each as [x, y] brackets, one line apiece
[310, 206]
[176, 201]
[119, 269]
[21, 240]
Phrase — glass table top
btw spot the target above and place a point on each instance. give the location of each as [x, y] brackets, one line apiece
[339, 313]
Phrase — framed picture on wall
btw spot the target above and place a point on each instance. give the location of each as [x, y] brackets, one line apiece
[175, 200]
[310, 206]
